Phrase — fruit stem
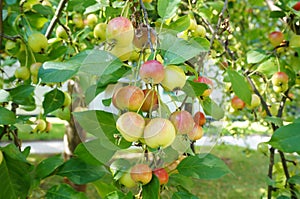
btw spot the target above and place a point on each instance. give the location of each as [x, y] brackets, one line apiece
[183, 102]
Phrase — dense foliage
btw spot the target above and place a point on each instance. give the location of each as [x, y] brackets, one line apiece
[227, 60]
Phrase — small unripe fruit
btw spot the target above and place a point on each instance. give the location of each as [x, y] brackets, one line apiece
[237, 103]
[127, 181]
[193, 24]
[174, 78]
[162, 175]
[91, 20]
[159, 132]
[49, 127]
[61, 33]
[128, 98]
[281, 89]
[78, 21]
[34, 68]
[67, 100]
[141, 173]
[152, 72]
[37, 42]
[40, 125]
[199, 118]
[200, 31]
[100, 31]
[120, 31]
[276, 38]
[183, 121]
[151, 101]
[255, 101]
[22, 73]
[196, 133]
[131, 126]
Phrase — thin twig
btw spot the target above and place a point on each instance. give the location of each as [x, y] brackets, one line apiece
[145, 14]
[270, 171]
[219, 23]
[67, 31]
[56, 17]
[287, 175]
[12, 38]
[282, 104]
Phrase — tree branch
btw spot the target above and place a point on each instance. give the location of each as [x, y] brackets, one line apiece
[145, 14]
[219, 23]
[56, 17]
[270, 171]
[287, 175]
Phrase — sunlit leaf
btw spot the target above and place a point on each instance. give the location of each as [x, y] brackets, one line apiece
[287, 138]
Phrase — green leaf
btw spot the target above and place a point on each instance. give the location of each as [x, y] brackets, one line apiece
[53, 100]
[44, 10]
[255, 56]
[277, 14]
[4, 96]
[23, 128]
[101, 63]
[103, 82]
[15, 174]
[181, 24]
[7, 116]
[64, 191]
[106, 102]
[178, 51]
[204, 166]
[184, 182]
[79, 172]
[297, 120]
[287, 138]
[185, 195]
[48, 166]
[23, 95]
[240, 86]
[102, 125]
[167, 8]
[294, 179]
[55, 72]
[82, 152]
[63, 114]
[211, 108]
[151, 190]
[268, 67]
[104, 188]
[194, 89]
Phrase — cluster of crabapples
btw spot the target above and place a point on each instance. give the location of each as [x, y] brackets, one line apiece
[155, 132]
[142, 174]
